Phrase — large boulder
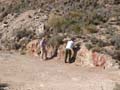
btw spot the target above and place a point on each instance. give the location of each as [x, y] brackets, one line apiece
[84, 56]
[89, 58]
[61, 51]
[33, 48]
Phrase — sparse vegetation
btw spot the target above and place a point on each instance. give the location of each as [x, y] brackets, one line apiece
[95, 23]
[60, 23]
[91, 29]
[56, 22]
[73, 18]
[55, 40]
[116, 41]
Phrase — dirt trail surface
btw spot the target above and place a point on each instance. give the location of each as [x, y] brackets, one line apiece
[19, 72]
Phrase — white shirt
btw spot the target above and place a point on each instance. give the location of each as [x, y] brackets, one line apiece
[69, 45]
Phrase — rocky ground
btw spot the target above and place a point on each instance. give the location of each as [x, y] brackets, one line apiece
[21, 21]
[93, 22]
[20, 72]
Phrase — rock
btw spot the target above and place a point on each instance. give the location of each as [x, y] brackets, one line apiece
[104, 60]
[109, 50]
[94, 40]
[89, 58]
[84, 56]
[23, 42]
[41, 30]
[61, 51]
[32, 47]
[99, 59]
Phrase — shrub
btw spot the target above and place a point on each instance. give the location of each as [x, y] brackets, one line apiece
[24, 33]
[116, 55]
[19, 7]
[97, 49]
[65, 24]
[55, 40]
[74, 29]
[75, 14]
[91, 29]
[116, 41]
[56, 21]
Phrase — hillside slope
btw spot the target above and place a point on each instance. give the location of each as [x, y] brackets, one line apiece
[96, 22]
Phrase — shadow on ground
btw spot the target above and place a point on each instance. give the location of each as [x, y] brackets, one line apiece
[4, 86]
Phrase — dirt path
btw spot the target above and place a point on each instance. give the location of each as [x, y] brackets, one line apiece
[19, 72]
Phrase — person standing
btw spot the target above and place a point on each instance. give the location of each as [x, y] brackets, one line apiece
[69, 50]
[43, 47]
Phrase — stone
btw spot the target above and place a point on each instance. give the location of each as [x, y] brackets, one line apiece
[61, 51]
[94, 59]
[23, 42]
[98, 59]
[32, 47]
[40, 30]
[84, 56]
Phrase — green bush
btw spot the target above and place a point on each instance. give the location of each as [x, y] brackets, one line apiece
[75, 14]
[56, 22]
[74, 29]
[55, 40]
[19, 7]
[91, 29]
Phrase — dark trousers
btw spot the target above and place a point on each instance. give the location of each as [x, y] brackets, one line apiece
[67, 55]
